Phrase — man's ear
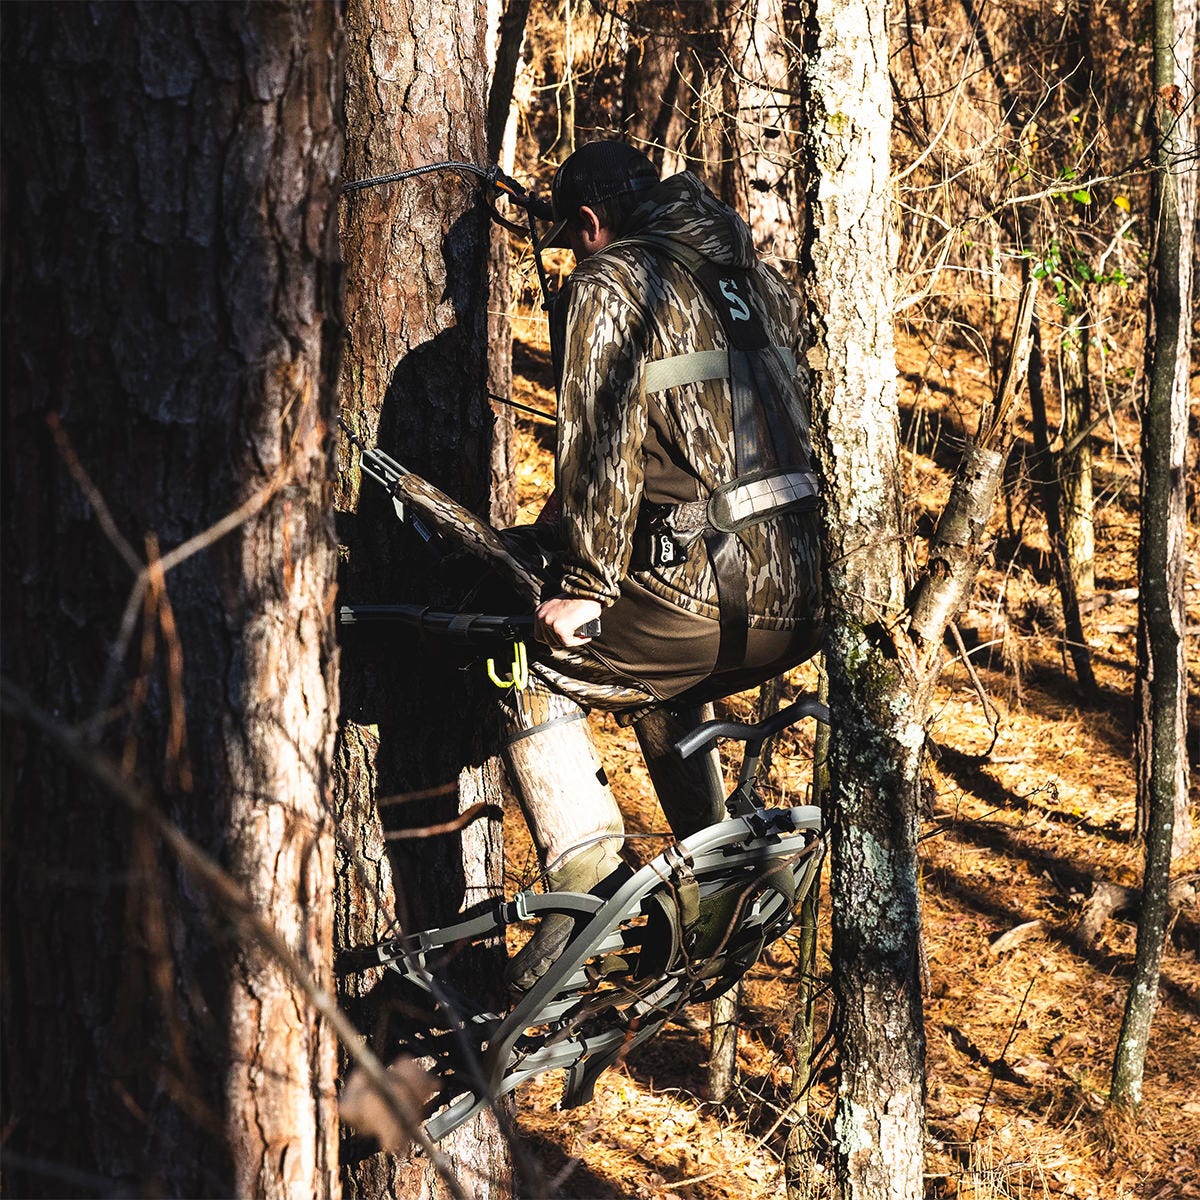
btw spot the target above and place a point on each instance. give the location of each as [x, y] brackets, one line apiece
[589, 223]
[593, 236]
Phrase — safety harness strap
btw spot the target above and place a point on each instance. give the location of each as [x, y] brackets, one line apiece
[732, 587]
[753, 498]
[698, 366]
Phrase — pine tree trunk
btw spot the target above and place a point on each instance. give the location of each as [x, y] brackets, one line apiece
[507, 25]
[1051, 494]
[414, 381]
[1160, 743]
[1076, 457]
[169, 293]
[876, 737]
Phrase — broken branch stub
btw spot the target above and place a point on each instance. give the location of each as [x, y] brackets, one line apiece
[957, 543]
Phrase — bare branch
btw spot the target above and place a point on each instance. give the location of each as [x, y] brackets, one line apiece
[177, 750]
[467, 817]
[95, 499]
[957, 542]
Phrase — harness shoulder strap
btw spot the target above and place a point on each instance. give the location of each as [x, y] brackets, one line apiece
[761, 487]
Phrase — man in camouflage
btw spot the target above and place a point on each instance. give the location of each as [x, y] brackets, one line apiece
[683, 399]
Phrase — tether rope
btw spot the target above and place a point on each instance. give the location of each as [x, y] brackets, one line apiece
[487, 173]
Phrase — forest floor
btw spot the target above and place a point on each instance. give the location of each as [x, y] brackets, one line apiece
[1029, 805]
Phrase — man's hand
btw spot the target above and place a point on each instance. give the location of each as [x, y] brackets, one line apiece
[556, 620]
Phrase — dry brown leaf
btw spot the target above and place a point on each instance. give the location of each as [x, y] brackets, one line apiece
[1015, 936]
[367, 1112]
[1076, 1039]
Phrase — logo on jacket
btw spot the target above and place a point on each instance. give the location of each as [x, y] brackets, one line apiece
[737, 306]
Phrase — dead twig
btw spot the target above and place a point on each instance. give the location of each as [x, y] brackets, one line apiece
[996, 1064]
[178, 763]
[467, 817]
[989, 709]
[429, 793]
[79, 473]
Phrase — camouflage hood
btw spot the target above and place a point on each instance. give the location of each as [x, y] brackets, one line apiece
[683, 209]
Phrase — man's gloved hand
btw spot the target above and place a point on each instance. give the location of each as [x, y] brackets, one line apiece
[557, 619]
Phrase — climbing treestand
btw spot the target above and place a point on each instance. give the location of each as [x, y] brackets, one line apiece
[682, 929]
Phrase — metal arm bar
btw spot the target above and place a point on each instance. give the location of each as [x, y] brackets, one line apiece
[753, 735]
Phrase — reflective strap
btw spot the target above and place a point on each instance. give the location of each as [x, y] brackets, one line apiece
[696, 367]
[735, 507]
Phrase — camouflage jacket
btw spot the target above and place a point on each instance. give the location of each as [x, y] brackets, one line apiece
[618, 446]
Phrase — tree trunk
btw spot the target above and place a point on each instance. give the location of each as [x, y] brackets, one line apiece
[507, 23]
[883, 649]
[875, 742]
[1051, 494]
[652, 111]
[767, 137]
[723, 1045]
[1160, 690]
[1075, 458]
[1075, 470]
[678, 94]
[169, 293]
[415, 747]
[800, 1153]
[1160, 744]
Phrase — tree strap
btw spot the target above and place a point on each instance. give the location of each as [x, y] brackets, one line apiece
[565, 719]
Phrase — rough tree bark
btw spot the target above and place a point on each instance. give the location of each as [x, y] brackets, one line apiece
[1161, 687]
[414, 380]
[883, 649]
[876, 739]
[506, 23]
[169, 297]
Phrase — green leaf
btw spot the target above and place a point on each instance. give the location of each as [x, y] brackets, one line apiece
[1083, 196]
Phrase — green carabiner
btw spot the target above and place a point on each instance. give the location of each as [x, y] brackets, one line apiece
[519, 677]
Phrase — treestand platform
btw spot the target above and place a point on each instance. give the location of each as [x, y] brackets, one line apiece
[682, 930]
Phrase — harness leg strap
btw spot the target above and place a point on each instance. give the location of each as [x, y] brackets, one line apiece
[732, 587]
